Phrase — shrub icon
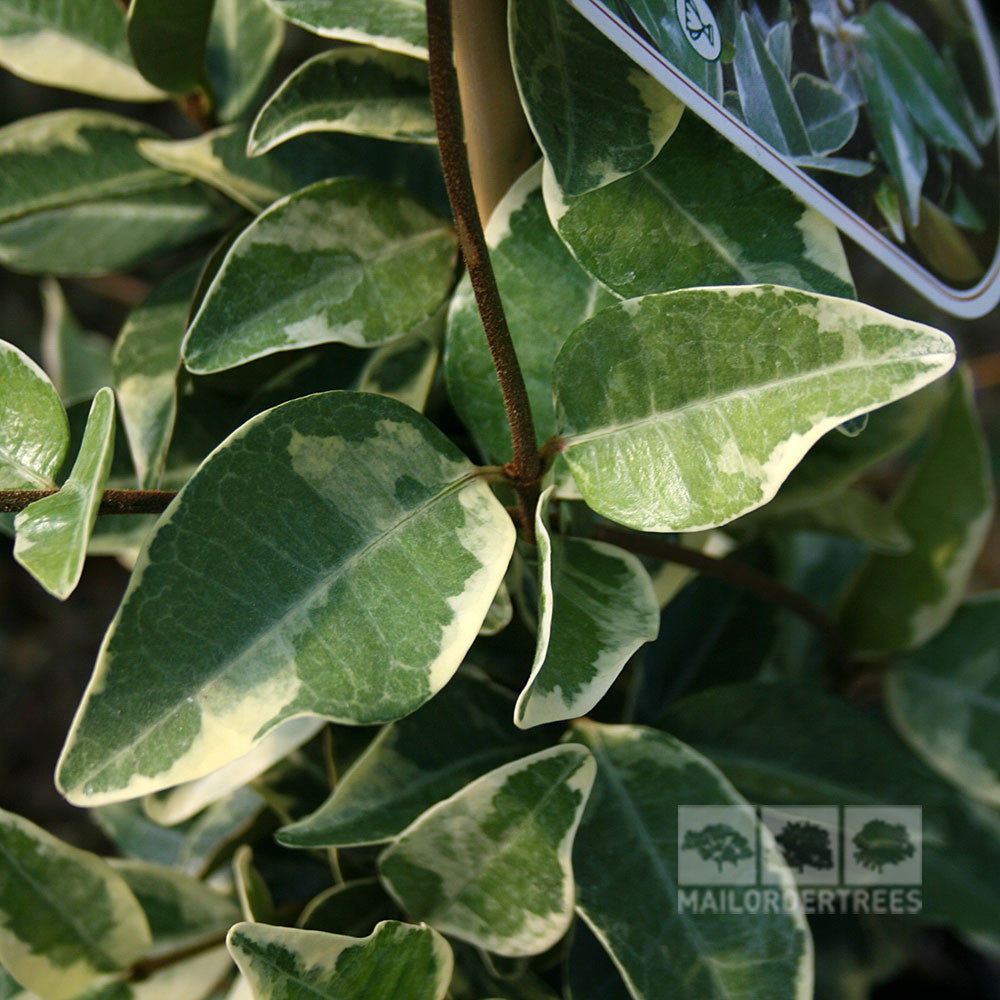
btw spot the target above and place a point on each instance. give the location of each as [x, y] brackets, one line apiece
[879, 843]
[806, 845]
[718, 842]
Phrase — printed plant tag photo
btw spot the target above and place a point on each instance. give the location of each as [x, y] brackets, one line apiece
[881, 115]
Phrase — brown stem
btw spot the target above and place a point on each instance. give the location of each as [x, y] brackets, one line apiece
[525, 470]
[112, 502]
[740, 575]
[146, 967]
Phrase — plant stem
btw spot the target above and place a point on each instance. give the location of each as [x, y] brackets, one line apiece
[740, 575]
[146, 967]
[525, 470]
[112, 502]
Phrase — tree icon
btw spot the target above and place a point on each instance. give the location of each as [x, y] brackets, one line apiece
[879, 843]
[805, 845]
[718, 842]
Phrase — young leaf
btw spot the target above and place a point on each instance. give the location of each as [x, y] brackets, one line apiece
[682, 411]
[765, 94]
[348, 260]
[168, 39]
[830, 116]
[700, 214]
[76, 44]
[595, 114]
[351, 908]
[251, 889]
[395, 962]
[362, 91]
[34, 428]
[66, 917]
[627, 857]
[52, 533]
[414, 763]
[832, 752]
[314, 537]
[596, 607]
[944, 699]
[491, 865]
[899, 602]
[244, 39]
[394, 25]
[546, 295]
[145, 362]
[404, 369]
[181, 803]
[79, 362]
[501, 612]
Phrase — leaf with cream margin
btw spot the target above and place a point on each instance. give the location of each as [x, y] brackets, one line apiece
[596, 607]
[394, 25]
[627, 859]
[701, 213]
[79, 362]
[244, 39]
[145, 362]
[946, 507]
[405, 369]
[596, 115]
[67, 917]
[34, 428]
[501, 613]
[491, 865]
[944, 699]
[181, 803]
[354, 89]
[350, 908]
[682, 411]
[74, 44]
[168, 39]
[52, 533]
[546, 295]
[395, 962]
[389, 516]
[416, 762]
[349, 260]
[251, 889]
[832, 752]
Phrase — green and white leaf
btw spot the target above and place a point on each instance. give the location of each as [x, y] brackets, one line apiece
[769, 107]
[350, 908]
[359, 90]
[387, 511]
[944, 699]
[596, 607]
[394, 25]
[244, 39]
[627, 858]
[73, 44]
[251, 889]
[491, 865]
[700, 214]
[79, 362]
[180, 909]
[596, 115]
[501, 612]
[830, 751]
[682, 411]
[415, 763]
[829, 115]
[168, 39]
[349, 260]
[181, 803]
[34, 428]
[546, 295]
[899, 602]
[52, 533]
[66, 918]
[395, 962]
[145, 362]
[219, 159]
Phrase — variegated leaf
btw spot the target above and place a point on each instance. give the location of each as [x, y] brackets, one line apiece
[349, 260]
[395, 962]
[596, 607]
[79, 362]
[684, 410]
[393, 535]
[491, 865]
